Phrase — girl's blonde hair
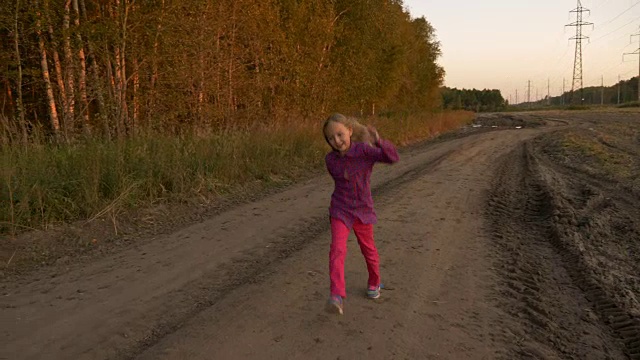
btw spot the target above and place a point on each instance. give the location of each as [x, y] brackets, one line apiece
[360, 132]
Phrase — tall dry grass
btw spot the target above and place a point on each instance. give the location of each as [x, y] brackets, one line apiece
[407, 129]
[43, 184]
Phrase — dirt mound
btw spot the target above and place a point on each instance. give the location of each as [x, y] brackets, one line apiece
[593, 184]
[546, 314]
[502, 120]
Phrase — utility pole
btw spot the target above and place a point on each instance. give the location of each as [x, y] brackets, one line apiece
[516, 96]
[563, 91]
[529, 93]
[548, 92]
[618, 89]
[602, 91]
[577, 64]
[637, 52]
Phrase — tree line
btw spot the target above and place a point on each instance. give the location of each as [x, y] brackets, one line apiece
[625, 91]
[473, 99]
[116, 68]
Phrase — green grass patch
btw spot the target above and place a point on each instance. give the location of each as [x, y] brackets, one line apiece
[598, 153]
[633, 104]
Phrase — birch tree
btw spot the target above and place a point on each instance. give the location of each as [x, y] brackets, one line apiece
[53, 113]
[56, 59]
[19, 98]
[69, 106]
[82, 75]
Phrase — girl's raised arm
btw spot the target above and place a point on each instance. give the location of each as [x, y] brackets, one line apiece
[384, 151]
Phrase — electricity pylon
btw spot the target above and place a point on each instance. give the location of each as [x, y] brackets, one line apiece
[577, 65]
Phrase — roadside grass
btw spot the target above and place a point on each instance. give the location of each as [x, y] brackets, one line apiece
[45, 185]
[604, 152]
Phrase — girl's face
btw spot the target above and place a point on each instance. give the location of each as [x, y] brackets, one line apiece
[338, 136]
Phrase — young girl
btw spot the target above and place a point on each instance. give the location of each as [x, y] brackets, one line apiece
[350, 164]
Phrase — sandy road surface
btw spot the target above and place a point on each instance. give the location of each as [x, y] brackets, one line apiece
[252, 282]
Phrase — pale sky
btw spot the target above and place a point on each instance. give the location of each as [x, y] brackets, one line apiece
[502, 44]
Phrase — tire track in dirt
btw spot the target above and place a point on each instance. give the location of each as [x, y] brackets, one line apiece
[561, 312]
[255, 265]
[612, 310]
[433, 256]
[151, 312]
[430, 201]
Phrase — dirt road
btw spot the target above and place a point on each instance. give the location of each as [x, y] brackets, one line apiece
[473, 264]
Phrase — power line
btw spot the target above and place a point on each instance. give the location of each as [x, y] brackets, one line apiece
[578, 66]
[621, 27]
[600, 5]
[543, 74]
[548, 63]
[629, 72]
[637, 52]
[617, 16]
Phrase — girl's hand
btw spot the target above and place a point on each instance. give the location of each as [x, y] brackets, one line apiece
[374, 133]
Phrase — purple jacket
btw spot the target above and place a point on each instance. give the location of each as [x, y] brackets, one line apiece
[351, 197]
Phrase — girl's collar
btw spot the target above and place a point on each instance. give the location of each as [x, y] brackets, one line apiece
[348, 152]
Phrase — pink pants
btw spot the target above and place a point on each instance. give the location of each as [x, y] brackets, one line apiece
[338, 252]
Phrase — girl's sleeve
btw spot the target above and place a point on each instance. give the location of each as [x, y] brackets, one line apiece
[384, 152]
[327, 163]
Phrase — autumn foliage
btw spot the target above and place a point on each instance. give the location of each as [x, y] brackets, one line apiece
[115, 68]
[116, 104]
